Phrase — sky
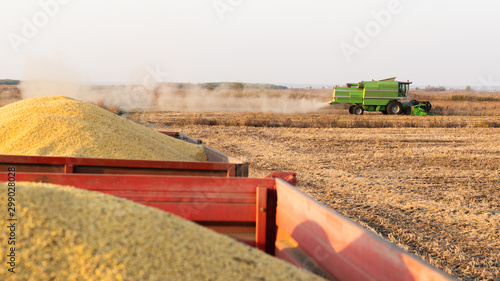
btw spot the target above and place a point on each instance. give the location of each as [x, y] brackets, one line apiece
[327, 42]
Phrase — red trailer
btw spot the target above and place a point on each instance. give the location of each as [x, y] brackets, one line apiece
[267, 213]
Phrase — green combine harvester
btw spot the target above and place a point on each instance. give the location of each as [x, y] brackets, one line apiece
[387, 96]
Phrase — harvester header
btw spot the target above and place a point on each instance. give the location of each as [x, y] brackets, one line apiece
[387, 96]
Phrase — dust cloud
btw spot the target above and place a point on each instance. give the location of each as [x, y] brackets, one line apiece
[198, 99]
[52, 77]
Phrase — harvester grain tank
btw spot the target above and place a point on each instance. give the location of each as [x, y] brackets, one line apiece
[387, 96]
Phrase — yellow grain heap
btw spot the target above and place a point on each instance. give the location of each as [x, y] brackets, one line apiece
[64, 233]
[61, 126]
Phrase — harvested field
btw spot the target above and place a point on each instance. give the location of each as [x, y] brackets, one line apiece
[433, 191]
[9, 94]
[429, 184]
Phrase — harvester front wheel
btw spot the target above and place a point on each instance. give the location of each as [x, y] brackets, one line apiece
[351, 109]
[358, 110]
[394, 107]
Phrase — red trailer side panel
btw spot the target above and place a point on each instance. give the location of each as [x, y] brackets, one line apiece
[338, 246]
[267, 213]
[232, 206]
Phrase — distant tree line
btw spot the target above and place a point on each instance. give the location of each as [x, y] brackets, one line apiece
[225, 86]
[240, 86]
[9, 82]
[435, 89]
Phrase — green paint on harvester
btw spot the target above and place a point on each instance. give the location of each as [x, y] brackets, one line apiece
[387, 96]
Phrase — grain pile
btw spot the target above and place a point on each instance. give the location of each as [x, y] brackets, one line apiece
[61, 126]
[65, 233]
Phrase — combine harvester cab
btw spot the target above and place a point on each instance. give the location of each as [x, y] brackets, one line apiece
[387, 96]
